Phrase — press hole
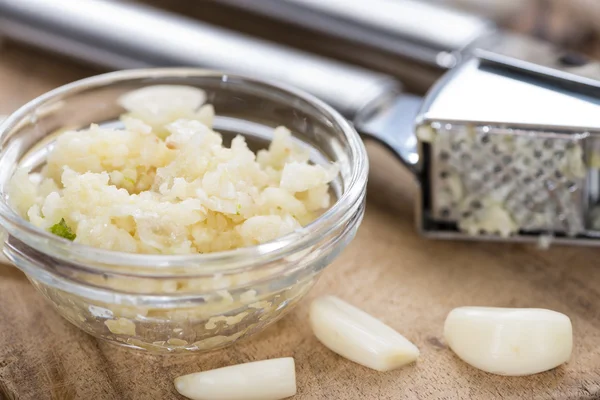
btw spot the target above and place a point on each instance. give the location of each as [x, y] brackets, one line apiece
[573, 60]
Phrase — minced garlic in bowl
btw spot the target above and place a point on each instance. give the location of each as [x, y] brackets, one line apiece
[166, 184]
[156, 226]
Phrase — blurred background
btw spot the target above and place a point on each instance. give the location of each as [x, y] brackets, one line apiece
[572, 24]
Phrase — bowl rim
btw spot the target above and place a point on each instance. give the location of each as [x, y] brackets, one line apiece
[244, 257]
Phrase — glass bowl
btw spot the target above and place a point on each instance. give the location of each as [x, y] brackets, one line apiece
[182, 303]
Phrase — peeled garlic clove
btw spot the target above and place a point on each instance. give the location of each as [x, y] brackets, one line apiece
[261, 380]
[358, 336]
[509, 341]
[160, 99]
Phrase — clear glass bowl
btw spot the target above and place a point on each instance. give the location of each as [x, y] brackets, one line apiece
[187, 303]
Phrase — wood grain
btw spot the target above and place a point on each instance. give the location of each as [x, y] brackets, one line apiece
[409, 282]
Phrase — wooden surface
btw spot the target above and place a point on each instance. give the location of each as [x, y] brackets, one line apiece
[389, 271]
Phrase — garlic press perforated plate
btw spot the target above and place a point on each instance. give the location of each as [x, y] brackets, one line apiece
[510, 152]
[505, 145]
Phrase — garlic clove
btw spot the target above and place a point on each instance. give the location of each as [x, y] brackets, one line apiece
[358, 336]
[509, 341]
[261, 380]
[155, 103]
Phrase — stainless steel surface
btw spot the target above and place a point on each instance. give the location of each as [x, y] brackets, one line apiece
[392, 124]
[117, 34]
[540, 58]
[414, 29]
[495, 93]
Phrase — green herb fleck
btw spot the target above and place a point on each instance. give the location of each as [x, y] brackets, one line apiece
[129, 180]
[238, 209]
[62, 229]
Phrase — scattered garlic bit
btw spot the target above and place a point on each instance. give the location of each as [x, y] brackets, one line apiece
[177, 342]
[228, 320]
[121, 326]
[594, 217]
[248, 296]
[493, 219]
[261, 380]
[358, 336]
[593, 162]
[509, 341]
[425, 133]
[544, 241]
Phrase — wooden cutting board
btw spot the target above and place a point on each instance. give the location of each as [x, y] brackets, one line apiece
[409, 282]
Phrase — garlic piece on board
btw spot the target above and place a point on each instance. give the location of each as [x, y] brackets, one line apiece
[261, 380]
[358, 336]
[509, 341]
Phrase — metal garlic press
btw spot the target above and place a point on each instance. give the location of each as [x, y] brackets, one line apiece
[505, 145]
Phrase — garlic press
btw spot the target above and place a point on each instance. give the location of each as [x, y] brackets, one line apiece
[505, 145]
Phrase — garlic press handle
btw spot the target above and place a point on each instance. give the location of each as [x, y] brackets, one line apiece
[120, 35]
[414, 30]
